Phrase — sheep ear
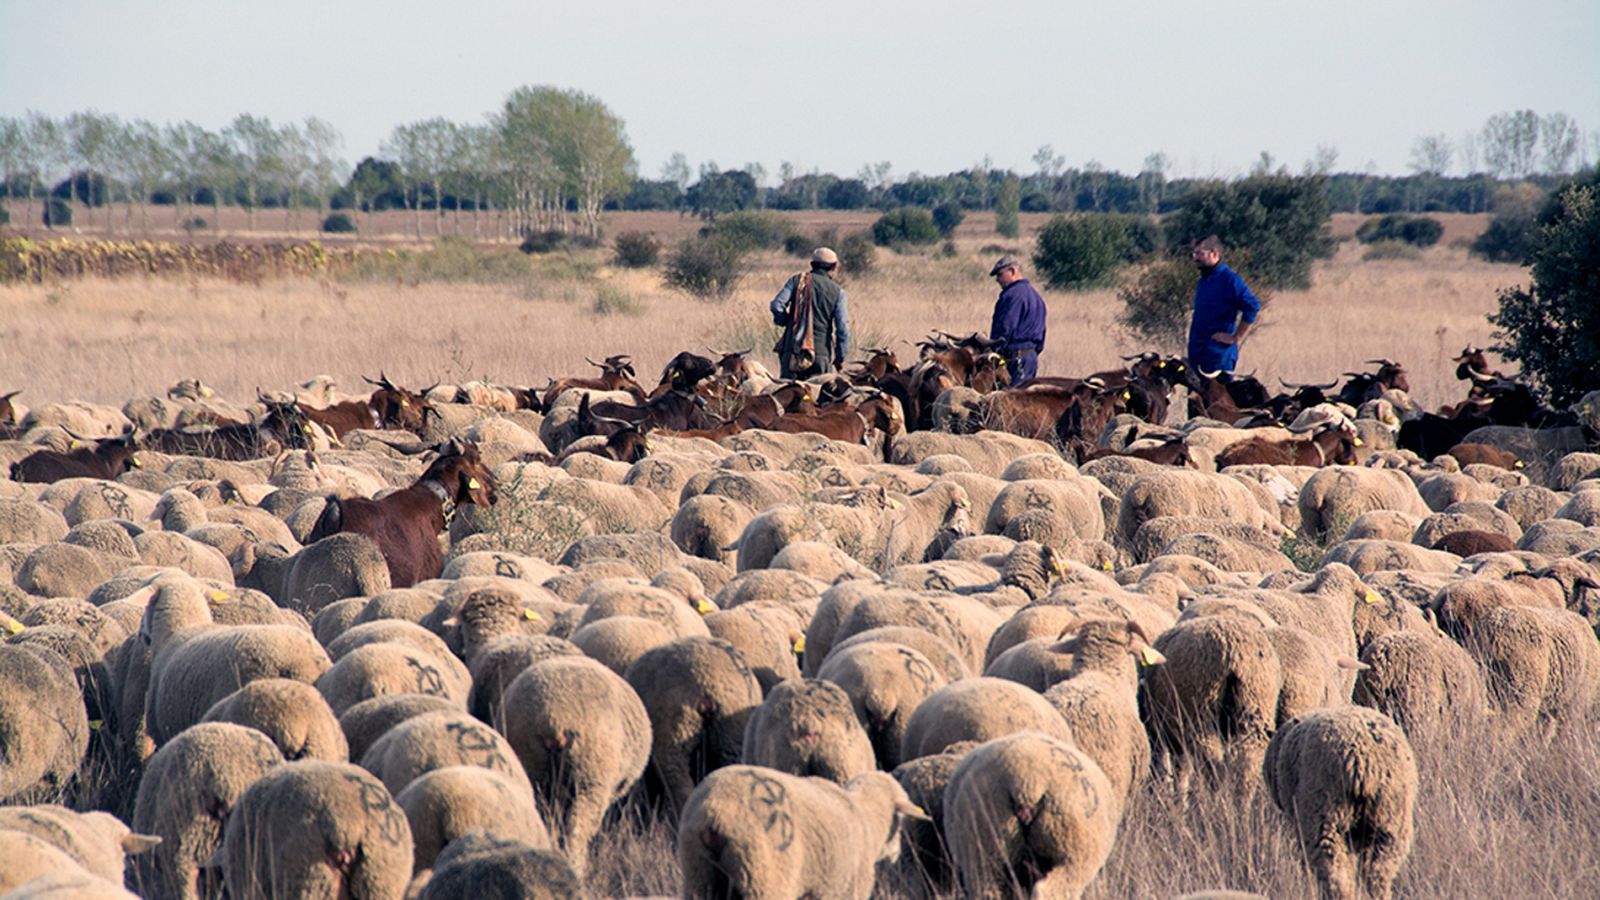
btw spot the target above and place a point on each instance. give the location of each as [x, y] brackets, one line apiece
[140, 843]
[912, 811]
[1346, 662]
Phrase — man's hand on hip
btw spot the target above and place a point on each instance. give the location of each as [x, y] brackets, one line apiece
[1222, 337]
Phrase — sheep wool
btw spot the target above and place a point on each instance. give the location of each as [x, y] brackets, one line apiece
[808, 728]
[447, 803]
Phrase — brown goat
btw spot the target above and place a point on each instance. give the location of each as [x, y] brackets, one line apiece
[1485, 453]
[1331, 445]
[1471, 543]
[104, 460]
[616, 374]
[405, 524]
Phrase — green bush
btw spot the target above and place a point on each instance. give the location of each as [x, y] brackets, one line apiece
[338, 223]
[1081, 251]
[195, 223]
[1145, 238]
[637, 249]
[857, 255]
[5, 217]
[57, 212]
[1281, 221]
[947, 218]
[705, 267]
[907, 225]
[799, 245]
[752, 229]
[1553, 326]
[543, 242]
[1393, 249]
[612, 300]
[1157, 301]
[1418, 231]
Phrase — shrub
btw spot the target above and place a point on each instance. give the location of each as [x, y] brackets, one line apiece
[752, 229]
[5, 217]
[1156, 303]
[194, 223]
[857, 255]
[1081, 251]
[637, 249]
[1553, 326]
[798, 245]
[907, 225]
[1280, 220]
[338, 223]
[1418, 231]
[542, 242]
[57, 212]
[1510, 235]
[1007, 202]
[612, 300]
[947, 218]
[704, 267]
[1394, 249]
[1145, 238]
[88, 188]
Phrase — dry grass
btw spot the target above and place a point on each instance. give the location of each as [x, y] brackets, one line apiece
[519, 323]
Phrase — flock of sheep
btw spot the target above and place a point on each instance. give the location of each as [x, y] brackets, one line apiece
[817, 666]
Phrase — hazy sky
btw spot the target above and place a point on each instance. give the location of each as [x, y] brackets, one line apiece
[928, 86]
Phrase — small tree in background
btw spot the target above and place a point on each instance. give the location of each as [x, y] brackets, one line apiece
[907, 225]
[1081, 251]
[1007, 205]
[1156, 303]
[947, 218]
[705, 267]
[1552, 327]
[1510, 235]
[1281, 221]
[637, 249]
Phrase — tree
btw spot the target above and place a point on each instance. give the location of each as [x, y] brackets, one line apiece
[1560, 139]
[847, 193]
[592, 154]
[907, 225]
[257, 147]
[1509, 143]
[1552, 327]
[1323, 159]
[676, 170]
[720, 192]
[1279, 221]
[92, 138]
[1081, 251]
[1007, 203]
[1153, 181]
[145, 158]
[322, 144]
[524, 127]
[1431, 154]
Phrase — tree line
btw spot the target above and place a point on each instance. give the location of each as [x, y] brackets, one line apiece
[551, 159]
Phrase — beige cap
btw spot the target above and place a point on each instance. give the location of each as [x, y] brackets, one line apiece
[825, 256]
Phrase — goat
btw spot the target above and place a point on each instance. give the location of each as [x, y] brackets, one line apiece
[405, 524]
[616, 374]
[103, 459]
[397, 407]
[1329, 444]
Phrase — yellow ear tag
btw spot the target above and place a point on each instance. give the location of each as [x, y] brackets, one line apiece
[1360, 442]
[215, 597]
[1150, 657]
[308, 429]
[1519, 464]
[1127, 395]
[74, 444]
[404, 402]
[530, 615]
[1106, 565]
[649, 445]
[894, 504]
[704, 607]
[1372, 597]
[13, 626]
[472, 484]
[800, 644]
[964, 504]
[133, 461]
[94, 724]
[918, 811]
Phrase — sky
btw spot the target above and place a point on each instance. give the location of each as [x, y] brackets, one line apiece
[929, 87]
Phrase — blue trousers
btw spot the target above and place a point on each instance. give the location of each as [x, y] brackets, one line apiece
[1023, 367]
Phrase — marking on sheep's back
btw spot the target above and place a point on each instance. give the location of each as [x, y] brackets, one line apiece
[376, 801]
[768, 796]
[427, 679]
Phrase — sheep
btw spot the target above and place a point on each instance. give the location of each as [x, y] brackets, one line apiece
[925, 780]
[965, 624]
[755, 832]
[370, 719]
[338, 566]
[446, 803]
[485, 866]
[1099, 699]
[316, 829]
[1368, 555]
[584, 737]
[44, 728]
[1348, 779]
[978, 709]
[1213, 706]
[29, 857]
[766, 636]
[616, 642]
[1544, 666]
[291, 713]
[1182, 492]
[854, 525]
[194, 663]
[824, 562]
[809, 729]
[499, 663]
[1559, 537]
[63, 570]
[433, 740]
[1334, 497]
[189, 787]
[1427, 683]
[1075, 502]
[380, 669]
[794, 591]
[885, 682]
[70, 884]
[498, 610]
[30, 522]
[1383, 524]
[614, 597]
[699, 694]
[1029, 815]
[397, 631]
[97, 841]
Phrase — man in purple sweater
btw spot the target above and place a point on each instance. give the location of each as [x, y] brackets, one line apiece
[1018, 326]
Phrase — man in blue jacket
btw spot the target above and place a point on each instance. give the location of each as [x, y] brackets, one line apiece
[1018, 326]
[1224, 309]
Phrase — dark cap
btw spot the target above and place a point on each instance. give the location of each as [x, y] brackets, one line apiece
[1006, 262]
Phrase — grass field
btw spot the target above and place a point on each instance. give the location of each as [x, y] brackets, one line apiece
[470, 315]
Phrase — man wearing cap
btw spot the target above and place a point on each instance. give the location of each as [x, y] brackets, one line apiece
[816, 323]
[1018, 326]
[1224, 309]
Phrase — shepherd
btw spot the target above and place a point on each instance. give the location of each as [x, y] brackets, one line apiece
[816, 323]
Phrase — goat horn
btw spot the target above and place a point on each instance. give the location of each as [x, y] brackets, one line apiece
[593, 363]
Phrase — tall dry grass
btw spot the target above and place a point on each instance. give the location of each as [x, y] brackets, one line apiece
[469, 315]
